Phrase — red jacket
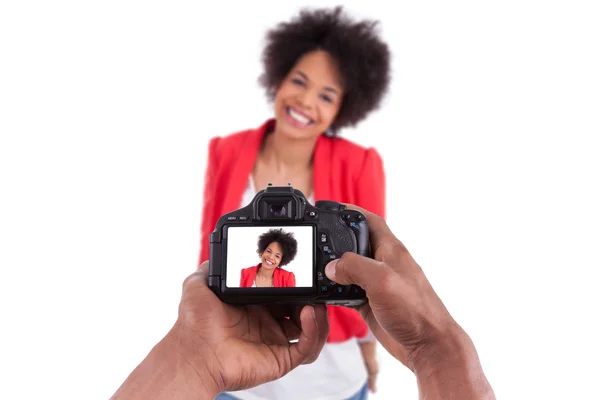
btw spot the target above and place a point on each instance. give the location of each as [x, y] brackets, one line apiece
[281, 277]
[342, 171]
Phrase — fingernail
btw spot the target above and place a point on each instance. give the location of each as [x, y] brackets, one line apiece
[330, 269]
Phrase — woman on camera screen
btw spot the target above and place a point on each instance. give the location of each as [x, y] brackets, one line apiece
[323, 71]
[276, 249]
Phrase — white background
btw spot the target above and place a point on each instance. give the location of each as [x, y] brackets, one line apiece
[241, 253]
[489, 138]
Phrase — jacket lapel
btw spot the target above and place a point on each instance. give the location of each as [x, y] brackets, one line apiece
[322, 176]
[243, 161]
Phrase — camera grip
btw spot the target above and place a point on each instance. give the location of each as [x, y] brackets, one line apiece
[361, 231]
[358, 223]
[362, 239]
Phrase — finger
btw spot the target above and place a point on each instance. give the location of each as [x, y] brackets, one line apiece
[323, 324]
[279, 311]
[290, 329]
[379, 231]
[352, 268]
[203, 267]
[198, 277]
[204, 264]
[309, 341]
[288, 318]
[294, 320]
[196, 281]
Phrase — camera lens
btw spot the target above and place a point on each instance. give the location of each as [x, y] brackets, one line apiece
[277, 210]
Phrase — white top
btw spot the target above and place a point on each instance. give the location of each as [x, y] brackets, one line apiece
[338, 373]
[251, 192]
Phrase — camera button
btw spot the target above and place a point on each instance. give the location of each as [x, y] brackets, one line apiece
[231, 218]
[330, 205]
[324, 288]
[311, 214]
[323, 237]
[243, 218]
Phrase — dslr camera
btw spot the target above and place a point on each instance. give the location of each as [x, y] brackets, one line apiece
[275, 249]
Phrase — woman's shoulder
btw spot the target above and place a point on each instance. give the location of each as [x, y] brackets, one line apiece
[285, 272]
[238, 138]
[349, 152]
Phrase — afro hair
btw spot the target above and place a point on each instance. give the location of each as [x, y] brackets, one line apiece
[286, 240]
[362, 58]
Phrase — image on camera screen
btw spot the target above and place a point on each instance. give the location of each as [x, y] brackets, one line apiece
[270, 256]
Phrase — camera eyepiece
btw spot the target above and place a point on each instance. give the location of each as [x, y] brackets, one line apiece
[277, 210]
[279, 203]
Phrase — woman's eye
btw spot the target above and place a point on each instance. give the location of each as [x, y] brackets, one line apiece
[326, 98]
[298, 82]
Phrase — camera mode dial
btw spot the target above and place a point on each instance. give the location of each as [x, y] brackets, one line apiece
[330, 205]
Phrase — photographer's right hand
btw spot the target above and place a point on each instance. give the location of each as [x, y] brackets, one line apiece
[409, 319]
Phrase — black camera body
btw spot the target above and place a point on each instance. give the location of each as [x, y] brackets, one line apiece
[321, 233]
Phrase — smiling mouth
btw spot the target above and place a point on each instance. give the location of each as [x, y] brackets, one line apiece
[298, 118]
[269, 262]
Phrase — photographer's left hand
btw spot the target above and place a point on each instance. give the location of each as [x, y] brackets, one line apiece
[215, 347]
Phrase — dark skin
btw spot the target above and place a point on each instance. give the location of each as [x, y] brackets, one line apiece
[215, 347]
[409, 319]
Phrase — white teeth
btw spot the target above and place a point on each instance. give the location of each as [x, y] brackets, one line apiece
[298, 117]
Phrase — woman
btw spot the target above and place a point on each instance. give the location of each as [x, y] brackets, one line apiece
[276, 249]
[323, 72]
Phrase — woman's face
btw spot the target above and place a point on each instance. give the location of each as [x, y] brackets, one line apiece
[271, 257]
[309, 98]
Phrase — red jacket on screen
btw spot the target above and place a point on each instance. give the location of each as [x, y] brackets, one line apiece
[281, 277]
[342, 171]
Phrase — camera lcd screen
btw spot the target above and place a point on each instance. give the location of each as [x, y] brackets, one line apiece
[270, 256]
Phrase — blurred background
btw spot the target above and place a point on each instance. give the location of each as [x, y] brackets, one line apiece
[489, 137]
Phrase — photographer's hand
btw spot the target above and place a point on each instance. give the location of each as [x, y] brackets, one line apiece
[409, 319]
[215, 347]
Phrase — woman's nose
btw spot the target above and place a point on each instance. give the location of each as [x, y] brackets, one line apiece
[306, 100]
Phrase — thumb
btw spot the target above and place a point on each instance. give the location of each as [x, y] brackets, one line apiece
[352, 268]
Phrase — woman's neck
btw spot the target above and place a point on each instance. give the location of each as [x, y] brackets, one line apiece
[286, 156]
[264, 273]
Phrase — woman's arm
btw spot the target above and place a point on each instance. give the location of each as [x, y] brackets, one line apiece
[371, 184]
[208, 201]
[368, 350]
[247, 277]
